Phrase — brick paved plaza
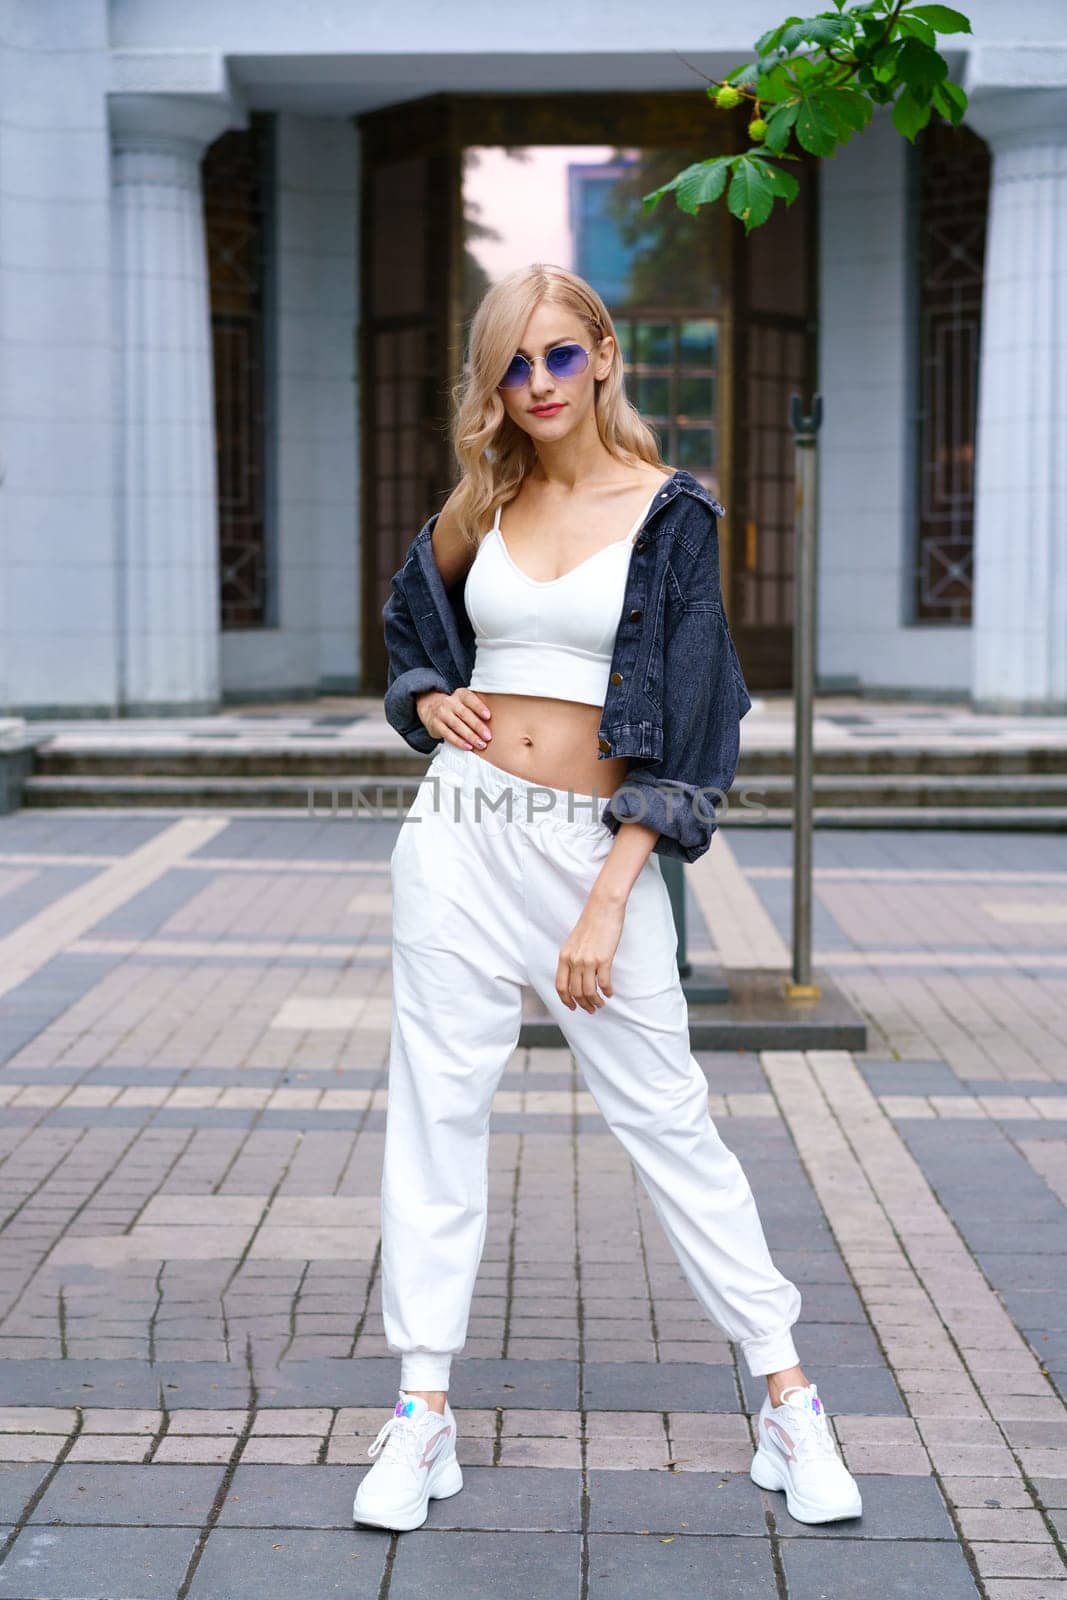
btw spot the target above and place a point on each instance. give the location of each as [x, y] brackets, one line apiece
[194, 1020]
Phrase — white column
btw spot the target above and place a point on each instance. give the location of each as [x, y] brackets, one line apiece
[165, 422]
[1020, 618]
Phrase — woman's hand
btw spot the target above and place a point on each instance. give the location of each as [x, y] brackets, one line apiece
[587, 955]
[460, 718]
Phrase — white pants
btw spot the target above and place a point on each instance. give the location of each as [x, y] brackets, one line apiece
[489, 876]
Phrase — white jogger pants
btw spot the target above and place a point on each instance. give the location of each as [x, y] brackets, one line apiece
[489, 875]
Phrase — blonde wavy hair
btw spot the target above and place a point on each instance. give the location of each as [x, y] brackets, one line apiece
[495, 454]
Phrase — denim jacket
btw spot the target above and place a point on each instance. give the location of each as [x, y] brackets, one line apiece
[676, 694]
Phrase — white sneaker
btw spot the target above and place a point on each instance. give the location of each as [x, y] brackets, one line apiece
[798, 1453]
[417, 1464]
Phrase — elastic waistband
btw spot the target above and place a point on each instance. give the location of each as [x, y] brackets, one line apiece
[533, 804]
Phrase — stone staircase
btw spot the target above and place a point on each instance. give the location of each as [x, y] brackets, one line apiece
[890, 784]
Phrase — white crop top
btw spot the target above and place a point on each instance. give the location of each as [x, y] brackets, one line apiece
[546, 636]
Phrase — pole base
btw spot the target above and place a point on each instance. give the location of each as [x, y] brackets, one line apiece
[801, 991]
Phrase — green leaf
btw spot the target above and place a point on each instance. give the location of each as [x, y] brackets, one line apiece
[822, 30]
[775, 85]
[853, 109]
[695, 185]
[815, 126]
[920, 67]
[912, 28]
[908, 115]
[951, 101]
[743, 77]
[942, 18]
[782, 183]
[751, 193]
[779, 124]
[769, 41]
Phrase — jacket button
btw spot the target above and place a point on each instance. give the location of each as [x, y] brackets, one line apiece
[604, 744]
[616, 677]
[635, 613]
[640, 545]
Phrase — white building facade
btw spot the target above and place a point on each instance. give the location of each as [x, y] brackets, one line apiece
[209, 214]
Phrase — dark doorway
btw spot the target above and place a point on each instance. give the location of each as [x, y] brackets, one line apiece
[715, 328]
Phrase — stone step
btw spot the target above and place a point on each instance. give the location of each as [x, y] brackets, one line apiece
[224, 756]
[1002, 801]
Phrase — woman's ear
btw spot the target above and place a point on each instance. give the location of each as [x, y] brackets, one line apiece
[605, 356]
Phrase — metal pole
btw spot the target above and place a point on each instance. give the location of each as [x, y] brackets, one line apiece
[804, 596]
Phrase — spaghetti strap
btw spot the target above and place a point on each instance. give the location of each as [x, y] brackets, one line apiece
[641, 515]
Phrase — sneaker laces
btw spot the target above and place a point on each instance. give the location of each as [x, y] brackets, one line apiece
[814, 1441]
[398, 1437]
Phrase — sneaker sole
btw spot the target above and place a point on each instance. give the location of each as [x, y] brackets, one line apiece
[767, 1474]
[449, 1483]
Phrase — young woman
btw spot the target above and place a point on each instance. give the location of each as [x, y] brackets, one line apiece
[557, 636]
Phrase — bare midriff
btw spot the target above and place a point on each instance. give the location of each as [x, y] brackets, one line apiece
[553, 742]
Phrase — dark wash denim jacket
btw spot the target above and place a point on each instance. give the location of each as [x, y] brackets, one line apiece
[676, 694]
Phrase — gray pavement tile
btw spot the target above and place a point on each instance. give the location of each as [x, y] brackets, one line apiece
[910, 1077]
[1052, 1492]
[254, 1563]
[18, 1483]
[628, 1567]
[1034, 1239]
[812, 1266]
[526, 1499]
[1035, 1309]
[655, 1386]
[830, 1302]
[535, 1385]
[1013, 1271]
[902, 1569]
[290, 1497]
[372, 1381]
[675, 1502]
[123, 1382]
[1013, 1086]
[137, 1496]
[844, 1344]
[141, 915]
[893, 1508]
[860, 1391]
[97, 1564]
[42, 889]
[485, 1566]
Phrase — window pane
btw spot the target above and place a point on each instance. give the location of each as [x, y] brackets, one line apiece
[696, 449]
[652, 396]
[654, 344]
[696, 398]
[698, 344]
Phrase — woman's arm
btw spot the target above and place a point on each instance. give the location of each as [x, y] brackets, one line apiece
[411, 672]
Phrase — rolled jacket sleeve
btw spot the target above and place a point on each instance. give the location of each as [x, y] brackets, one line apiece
[410, 670]
[705, 698]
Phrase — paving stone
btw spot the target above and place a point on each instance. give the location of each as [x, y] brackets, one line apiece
[651, 1386]
[682, 1503]
[629, 1567]
[533, 1499]
[282, 1496]
[894, 1507]
[160, 1496]
[859, 1391]
[18, 1483]
[494, 1566]
[894, 1569]
[252, 1563]
[97, 1563]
